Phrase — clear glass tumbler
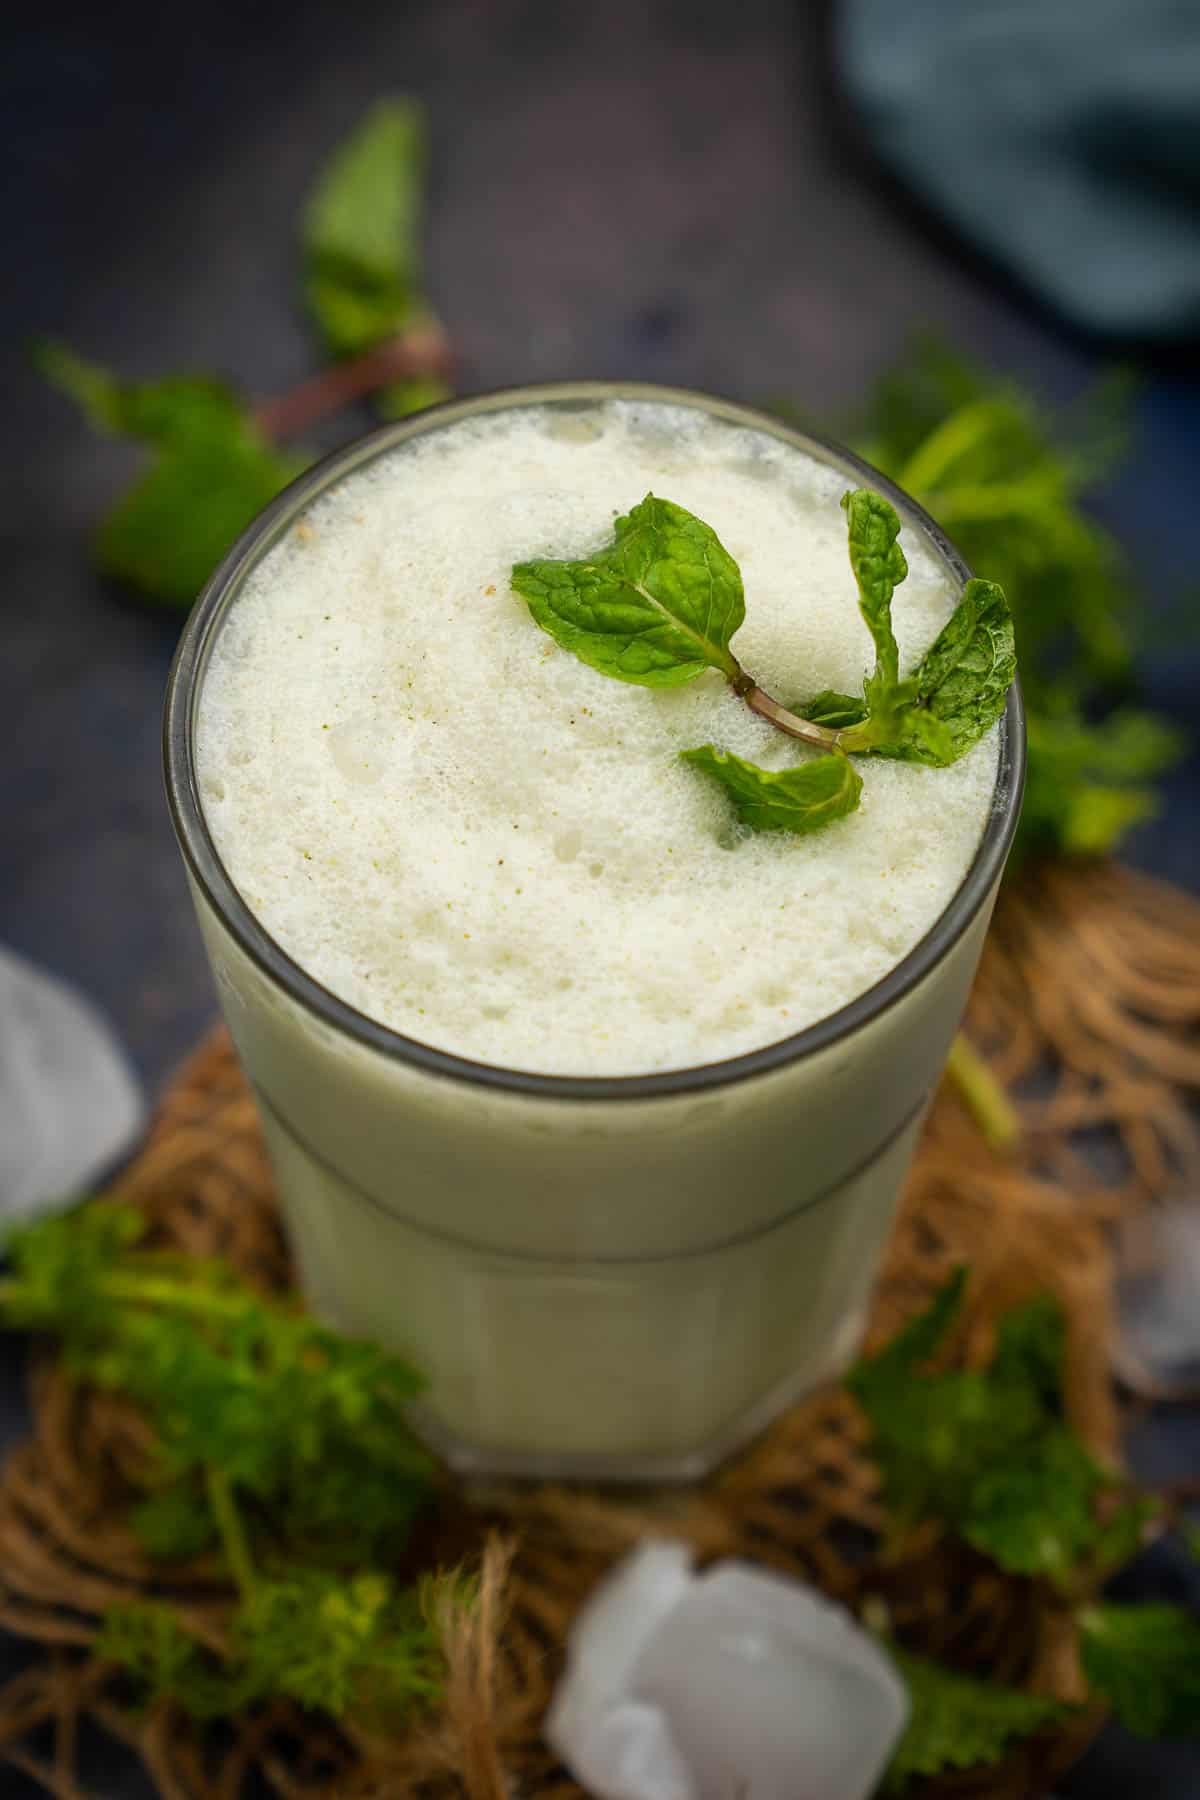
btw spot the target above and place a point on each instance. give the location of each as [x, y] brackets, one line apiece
[604, 1278]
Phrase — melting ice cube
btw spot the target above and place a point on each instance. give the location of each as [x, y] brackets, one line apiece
[69, 1103]
[735, 1684]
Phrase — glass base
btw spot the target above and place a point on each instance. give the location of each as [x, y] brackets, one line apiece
[474, 1461]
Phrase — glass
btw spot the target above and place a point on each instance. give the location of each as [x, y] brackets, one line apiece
[606, 1278]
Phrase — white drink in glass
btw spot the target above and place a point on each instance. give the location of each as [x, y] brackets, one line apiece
[591, 1104]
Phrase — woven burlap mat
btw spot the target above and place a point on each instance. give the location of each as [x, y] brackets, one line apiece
[1087, 1006]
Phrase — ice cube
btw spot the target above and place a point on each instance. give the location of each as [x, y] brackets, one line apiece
[737, 1684]
[69, 1102]
[607, 1637]
[1157, 1345]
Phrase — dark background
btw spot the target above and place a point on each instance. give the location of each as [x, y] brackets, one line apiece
[672, 192]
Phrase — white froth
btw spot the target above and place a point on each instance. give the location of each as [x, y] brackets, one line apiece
[469, 835]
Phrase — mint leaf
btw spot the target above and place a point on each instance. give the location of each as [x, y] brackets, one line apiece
[834, 709]
[1037, 1517]
[958, 1722]
[169, 532]
[1088, 784]
[958, 689]
[800, 800]
[656, 607]
[213, 472]
[1145, 1661]
[362, 238]
[174, 1523]
[964, 677]
[879, 567]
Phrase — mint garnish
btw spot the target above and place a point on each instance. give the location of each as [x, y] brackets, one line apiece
[800, 800]
[660, 605]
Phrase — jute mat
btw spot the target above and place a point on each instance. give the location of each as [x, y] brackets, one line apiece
[1087, 1007]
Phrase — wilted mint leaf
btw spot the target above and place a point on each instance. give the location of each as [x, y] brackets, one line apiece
[1145, 1660]
[213, 472]
[362, 243]
[800, 800]
[958, 1722]
[657, 606]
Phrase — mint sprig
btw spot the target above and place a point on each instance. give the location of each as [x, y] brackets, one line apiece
[958, 1722]
[660, 605]
[1145, 1660]
[362, 233]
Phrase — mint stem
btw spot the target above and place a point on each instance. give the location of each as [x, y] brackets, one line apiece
[233, 1535]
[423, 350]
[983, 1096]
[818, 735]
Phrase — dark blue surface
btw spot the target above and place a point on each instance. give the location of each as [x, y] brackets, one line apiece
[657, 191]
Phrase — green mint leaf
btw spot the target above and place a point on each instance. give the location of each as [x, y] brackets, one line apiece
[169, 532]
[1088, 784]
[1030, 1347]
[1037, 1516]
[175, 408]
[174, 1523]
[657, 606]
[213, 471]
[936, 1436]
[1145, 1661]
[958, 689]
[362, 231]
[833, 709]
[958, 1722]
[800, 800]
[964, 677]
[879, 567]
[1008, 482]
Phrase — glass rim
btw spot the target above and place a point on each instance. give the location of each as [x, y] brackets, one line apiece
[256, 942]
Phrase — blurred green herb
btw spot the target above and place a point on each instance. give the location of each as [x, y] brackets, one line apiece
[212, 470]
[987, 1453]
[215, 461]
[1009, 488]
[278, 1444]
[362, 246]
[957, 1722]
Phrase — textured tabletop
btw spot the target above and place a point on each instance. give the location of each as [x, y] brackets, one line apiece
[666, 192]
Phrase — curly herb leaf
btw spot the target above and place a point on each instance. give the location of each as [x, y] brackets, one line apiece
[958, 1722]
[800, 800]
[987, 1451]
[1145, 1660]
[656, 607]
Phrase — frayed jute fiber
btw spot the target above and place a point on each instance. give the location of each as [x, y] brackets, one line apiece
[1087, 1008]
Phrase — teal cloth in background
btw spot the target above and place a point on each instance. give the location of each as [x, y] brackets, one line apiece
[1063, 136]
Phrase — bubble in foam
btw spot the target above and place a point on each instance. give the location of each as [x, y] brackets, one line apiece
[505, 856]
